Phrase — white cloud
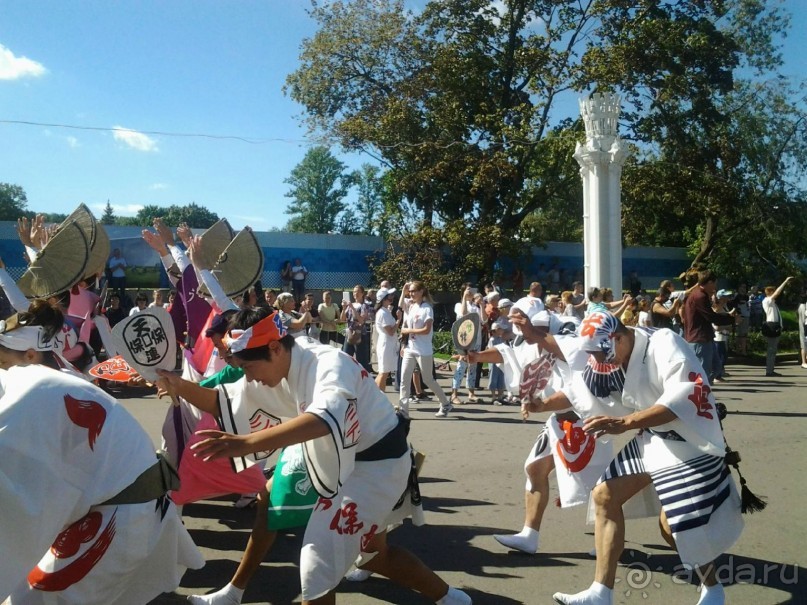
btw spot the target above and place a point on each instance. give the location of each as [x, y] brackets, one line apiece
[158, 186]
[134, 139]
[72, 142]
[127, 209]
[13, 67]
[118, 209]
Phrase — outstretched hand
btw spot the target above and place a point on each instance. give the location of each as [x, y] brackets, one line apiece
[604, 425]
[185, 234]
[164, 231]
[167, 384]
[220, 445]
[154, 241]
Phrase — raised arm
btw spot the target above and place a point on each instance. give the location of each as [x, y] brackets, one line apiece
[781, 287]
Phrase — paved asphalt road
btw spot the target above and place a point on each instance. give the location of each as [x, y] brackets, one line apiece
[473, 488]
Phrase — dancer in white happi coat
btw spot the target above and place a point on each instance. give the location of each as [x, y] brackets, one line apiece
[537, 371]
[85, 518]
[680, 450]
[354, 446]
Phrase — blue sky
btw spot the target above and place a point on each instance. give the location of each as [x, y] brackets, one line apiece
[210, 67]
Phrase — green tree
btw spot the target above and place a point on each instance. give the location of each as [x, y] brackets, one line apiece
[193, 215]
[108, 217]
[366, 215]
[319, 186]
[461, 102]
[13, 202]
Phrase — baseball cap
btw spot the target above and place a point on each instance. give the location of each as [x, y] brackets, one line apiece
[383, 293]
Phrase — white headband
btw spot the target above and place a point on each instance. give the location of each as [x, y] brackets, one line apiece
[23, 338]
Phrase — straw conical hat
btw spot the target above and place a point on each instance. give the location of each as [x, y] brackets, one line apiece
[96, 236]
[214, 241]
[241, 263]
[60, 264]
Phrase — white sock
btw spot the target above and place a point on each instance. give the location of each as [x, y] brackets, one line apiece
[526, 540]
[229, 595]
[597, 594]
[712, 595]
[455, 596]
[601, 590]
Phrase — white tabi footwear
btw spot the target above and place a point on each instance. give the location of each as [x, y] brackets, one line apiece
[455, 596]
[712, 595]
[358, 575]
[597, 594]
[526, 544]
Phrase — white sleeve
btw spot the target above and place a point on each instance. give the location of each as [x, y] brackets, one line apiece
[13, 292]
[32, 253]
[180, 258]
[213, 286]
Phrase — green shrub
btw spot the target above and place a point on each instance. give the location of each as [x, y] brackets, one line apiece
[443, 343]
[758, 344]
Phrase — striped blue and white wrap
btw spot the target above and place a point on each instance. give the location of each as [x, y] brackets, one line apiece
[696, 491]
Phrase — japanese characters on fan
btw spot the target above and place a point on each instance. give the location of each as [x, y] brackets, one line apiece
[679, 451]
[354, 445]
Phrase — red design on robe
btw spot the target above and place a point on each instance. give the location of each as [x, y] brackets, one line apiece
[89, 415]
[66, 545]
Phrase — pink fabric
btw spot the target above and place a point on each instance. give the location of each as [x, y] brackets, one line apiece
[200, 480]
[83, 302]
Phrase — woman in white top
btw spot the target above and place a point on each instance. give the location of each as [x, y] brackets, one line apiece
[419, 351]
[140, 304]
[645, 319]
[772, 316]
[802, 313]
[158, 299]
[387, 342]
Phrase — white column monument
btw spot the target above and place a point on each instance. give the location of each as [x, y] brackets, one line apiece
[601, 159]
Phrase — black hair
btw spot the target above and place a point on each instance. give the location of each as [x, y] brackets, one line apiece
[42, 313]
[50, 318]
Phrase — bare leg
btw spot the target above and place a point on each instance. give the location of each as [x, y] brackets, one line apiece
[381, 381]
[404, 568]
[536, 499]
[666, 532]
[418, 384]
[609, 525]
[260, 541]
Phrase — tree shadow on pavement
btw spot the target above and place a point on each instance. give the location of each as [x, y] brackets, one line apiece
[650, 571]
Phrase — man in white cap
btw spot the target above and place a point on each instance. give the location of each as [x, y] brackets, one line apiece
[679, 449]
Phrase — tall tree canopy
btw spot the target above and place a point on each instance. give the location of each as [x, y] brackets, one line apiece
[13, 202]
[319, 185]
[466, 103]
[193, 215]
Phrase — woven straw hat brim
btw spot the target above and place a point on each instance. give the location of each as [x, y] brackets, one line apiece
[97, 238]
[60, 265]
[240, 265]
[214, 241]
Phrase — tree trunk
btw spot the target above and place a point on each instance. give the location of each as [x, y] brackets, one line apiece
[707, 242]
